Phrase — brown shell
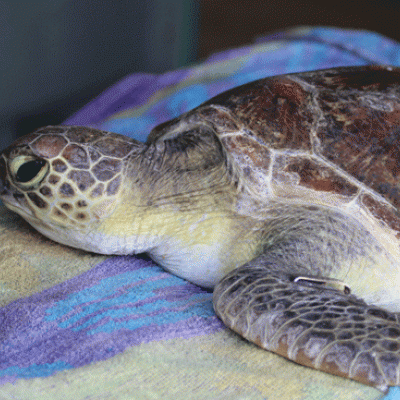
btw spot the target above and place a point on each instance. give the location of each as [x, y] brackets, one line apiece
[335, 131]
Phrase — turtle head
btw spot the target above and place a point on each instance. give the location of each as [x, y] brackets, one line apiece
[172, 197]
[64, 180]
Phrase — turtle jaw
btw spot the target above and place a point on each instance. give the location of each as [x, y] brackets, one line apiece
[17, 203]
[17, 208]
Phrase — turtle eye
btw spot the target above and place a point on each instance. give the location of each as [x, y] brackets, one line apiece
[28, 171]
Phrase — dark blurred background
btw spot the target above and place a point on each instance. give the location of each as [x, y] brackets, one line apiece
[56, 55]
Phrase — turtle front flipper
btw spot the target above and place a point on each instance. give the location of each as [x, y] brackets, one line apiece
[315, 325]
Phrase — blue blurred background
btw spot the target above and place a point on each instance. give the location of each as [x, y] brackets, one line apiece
[56, 55]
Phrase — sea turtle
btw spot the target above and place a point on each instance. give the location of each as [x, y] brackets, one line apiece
[282, 194]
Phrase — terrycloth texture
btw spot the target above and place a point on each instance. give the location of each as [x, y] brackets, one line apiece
[125, 329]
[81, 326]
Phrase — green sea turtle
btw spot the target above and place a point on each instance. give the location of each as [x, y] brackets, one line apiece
[282, 194]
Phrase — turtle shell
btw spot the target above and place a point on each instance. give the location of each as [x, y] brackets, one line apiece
[331, 134]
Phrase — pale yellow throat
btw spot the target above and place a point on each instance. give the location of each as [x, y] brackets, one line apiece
[197, 246]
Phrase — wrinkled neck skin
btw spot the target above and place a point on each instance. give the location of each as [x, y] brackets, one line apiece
[179, 207]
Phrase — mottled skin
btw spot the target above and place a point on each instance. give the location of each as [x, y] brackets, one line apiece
[283, 194]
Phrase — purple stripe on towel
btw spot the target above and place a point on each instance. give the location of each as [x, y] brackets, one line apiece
[122, 302]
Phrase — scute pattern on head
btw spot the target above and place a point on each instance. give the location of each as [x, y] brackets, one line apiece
[59, 165]
[83, 179]
[79, 160]
[106, 169]
[76, 156]
[49, 146]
